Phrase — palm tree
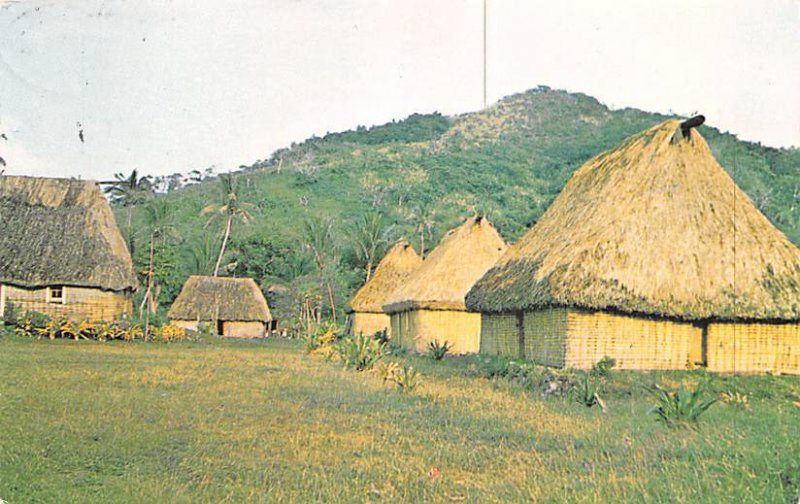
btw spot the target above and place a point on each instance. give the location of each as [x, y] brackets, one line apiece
[229, 208]
[318, 239]
[158, 219]
[424, 219]
[129, 191]
[370, 236]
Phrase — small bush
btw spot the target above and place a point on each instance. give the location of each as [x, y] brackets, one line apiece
[320, 338]
[602, 368]
[406, 378]
[169, 333]
[587, 392]
[360, 352]
[382, 337]
[437, 350]
[682, 408]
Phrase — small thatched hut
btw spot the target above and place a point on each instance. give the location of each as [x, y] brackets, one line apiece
[366, 307]
[234, 307]
[430, 305]
[653, 256]
[61, 252]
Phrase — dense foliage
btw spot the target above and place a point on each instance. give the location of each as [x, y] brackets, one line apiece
[418, 177]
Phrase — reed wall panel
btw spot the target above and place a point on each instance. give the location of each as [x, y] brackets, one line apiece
[189, 325]
[79, 302]
[499, 335]
[239, 329]
[635, 343]
[753, 348]
[370, 323]
[545, 334]
[417, 328]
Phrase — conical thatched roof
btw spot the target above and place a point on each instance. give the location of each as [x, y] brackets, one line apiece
[393, 270]
[220, 298]
[655, 226]
[445, 277]
[60, 232]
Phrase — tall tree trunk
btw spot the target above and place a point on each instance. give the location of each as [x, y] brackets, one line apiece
[369, 268]
[130, 229]
[333, 305]
[224, 243]
[149, 286]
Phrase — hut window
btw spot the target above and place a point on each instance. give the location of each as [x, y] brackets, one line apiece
[55, 294]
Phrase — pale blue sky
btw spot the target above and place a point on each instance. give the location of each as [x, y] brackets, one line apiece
[176, 85]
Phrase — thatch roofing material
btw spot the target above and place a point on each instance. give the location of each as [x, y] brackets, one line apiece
[220, 298]
[655, 226]
[392, 271]
[445, 277]
[60, 232]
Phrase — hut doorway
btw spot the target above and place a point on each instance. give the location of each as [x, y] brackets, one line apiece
[220, 328]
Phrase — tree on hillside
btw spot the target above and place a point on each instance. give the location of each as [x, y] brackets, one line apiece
[423, 217]
[229, 208]
[159, 225]
[318, 240]
[370, 237]
[129, 191]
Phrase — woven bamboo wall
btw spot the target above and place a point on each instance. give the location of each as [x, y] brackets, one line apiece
[190, 325]
[499, 335]
[634, 342]
[79, 302]
[237, 329]
[370, 323]
[416, 328]
[754, 348]
[546, 336]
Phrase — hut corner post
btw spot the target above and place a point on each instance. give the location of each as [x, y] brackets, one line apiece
[521, 333]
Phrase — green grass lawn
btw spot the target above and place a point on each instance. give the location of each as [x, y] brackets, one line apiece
[262, 421]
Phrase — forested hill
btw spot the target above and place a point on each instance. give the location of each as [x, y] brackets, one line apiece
[417, 178]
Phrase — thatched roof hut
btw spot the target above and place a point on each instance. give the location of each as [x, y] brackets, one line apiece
[366, 306]
[236, 305]
[220, 298]
[60, 232]
[440, 284]
[393, 270]
[61, 252]
[655, 227]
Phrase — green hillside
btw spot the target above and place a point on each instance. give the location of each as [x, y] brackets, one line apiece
[416, 178]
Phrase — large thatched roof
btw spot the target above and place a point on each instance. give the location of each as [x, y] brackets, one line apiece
[462, 257]
[393, 270]
[220, 298]
[655, 226]
[60, 232]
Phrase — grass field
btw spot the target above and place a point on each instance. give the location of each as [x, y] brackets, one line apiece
[262, 421]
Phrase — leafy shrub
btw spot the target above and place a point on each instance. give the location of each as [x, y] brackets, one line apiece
[438, 350]
[38, 325]
[360, 352]
[682, 408]
[169, 333]
[320, 338]
[587, 392]
[405, 377]
[382, 336]
[602, 368]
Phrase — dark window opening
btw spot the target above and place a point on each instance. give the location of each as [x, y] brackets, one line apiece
[220, 328]
[56, 294]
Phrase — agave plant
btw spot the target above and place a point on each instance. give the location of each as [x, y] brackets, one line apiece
[360, 352]
[682, 408]
[439, 350]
